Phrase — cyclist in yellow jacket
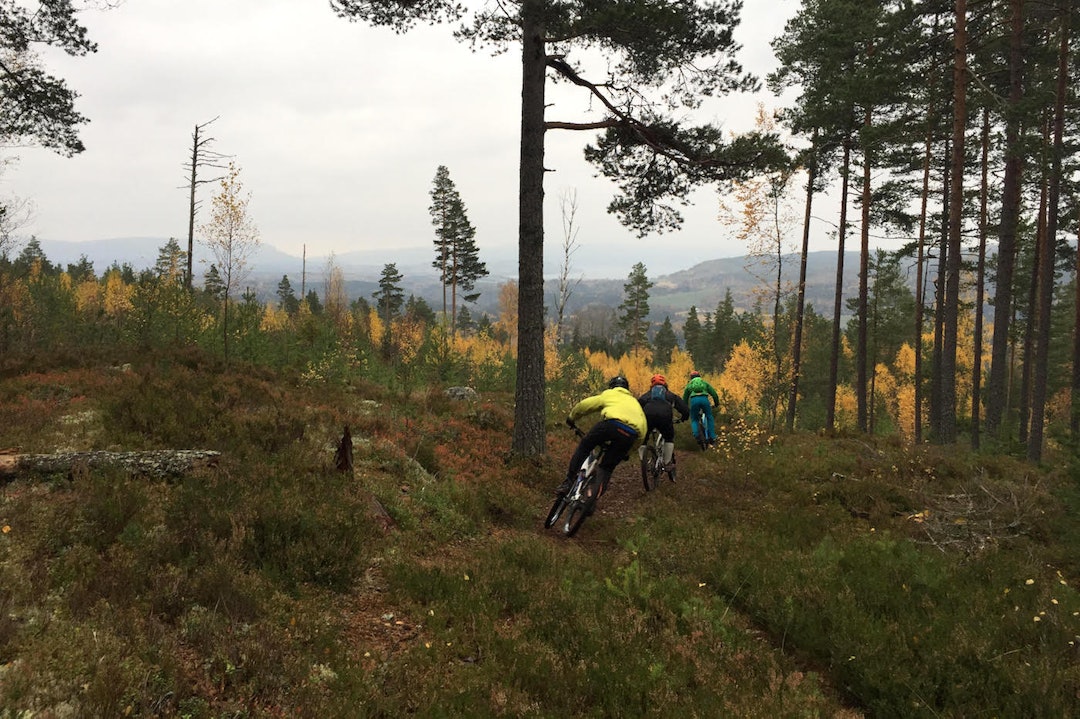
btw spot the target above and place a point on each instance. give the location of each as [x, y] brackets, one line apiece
[622, 425]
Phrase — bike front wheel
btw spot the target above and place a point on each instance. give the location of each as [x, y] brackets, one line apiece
[556, 511]
[577, 514]
[582, 504]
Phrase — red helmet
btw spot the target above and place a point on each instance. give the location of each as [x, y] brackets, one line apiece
[659, 379]
[695, 373]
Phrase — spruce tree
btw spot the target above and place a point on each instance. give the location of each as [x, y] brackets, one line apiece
[664, 343]
[213, 285]
[170, 261]
[692, 335]
[287, 297]
[389, 298]
[634, 310]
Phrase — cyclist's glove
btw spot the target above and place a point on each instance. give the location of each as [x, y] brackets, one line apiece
[570, 422]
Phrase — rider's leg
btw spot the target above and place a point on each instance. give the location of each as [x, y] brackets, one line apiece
[711, 419]
[584, 448]
[604, 475]
[669, 452]
[697, 405]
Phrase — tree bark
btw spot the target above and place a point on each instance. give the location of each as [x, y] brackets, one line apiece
[529, 408]
[940, 274]
[1046, 271]
[796, 341]
[920, 282]
[951, 327]
[1032, 312]
[1074, 413]
[1010, 214]
[838, 299]
[861, 380]
[980, 283]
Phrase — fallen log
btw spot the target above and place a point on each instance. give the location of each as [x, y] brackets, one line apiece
[158, 463]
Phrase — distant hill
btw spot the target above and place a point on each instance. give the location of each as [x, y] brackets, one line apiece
[702, 285]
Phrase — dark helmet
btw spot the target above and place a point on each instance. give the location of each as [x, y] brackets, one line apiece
[618, 382]
[694, 374]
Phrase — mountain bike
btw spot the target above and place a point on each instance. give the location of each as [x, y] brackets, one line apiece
[580, 501]
[652, 462]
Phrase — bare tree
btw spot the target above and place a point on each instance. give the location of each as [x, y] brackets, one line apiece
[201, 157]
[568, 207]
[15, 212]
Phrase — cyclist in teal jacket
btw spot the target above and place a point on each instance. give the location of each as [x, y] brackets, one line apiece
[697, 394]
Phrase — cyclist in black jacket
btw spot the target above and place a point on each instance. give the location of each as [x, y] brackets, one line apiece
[658, 403]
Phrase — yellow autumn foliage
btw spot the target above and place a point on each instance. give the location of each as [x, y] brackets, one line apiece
[274, 318]
[747, 373]
[479, 351]
[636, 367]
[678, 370]
[408, 337]
[553, 365]
[16, 296]
[847, 409]
[376, 328]
[117, 295]
[88, 297]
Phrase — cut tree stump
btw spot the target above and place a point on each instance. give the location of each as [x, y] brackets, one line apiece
[159, 463]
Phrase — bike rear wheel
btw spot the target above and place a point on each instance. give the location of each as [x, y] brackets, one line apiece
[701, 436]
[650, 468]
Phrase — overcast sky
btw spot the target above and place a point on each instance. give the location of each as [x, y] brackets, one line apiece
[338, 129]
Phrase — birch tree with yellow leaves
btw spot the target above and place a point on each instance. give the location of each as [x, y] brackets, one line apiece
[232, 238]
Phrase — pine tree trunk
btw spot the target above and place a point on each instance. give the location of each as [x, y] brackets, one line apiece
[796, 340]
[939, 304]
[1046, 271]
[861, 381]
[1032, 313]
[1010, 215]
[838, 300]
[956, 210]
[980, 283]
[920, 281]
[1074, 414]
[529, 438]
[1075, 399]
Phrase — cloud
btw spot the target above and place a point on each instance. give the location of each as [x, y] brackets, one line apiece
[338, 129]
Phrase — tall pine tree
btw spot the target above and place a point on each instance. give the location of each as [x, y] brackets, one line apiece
[456, 256]
[656, 58]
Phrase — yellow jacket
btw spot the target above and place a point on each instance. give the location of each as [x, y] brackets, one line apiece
[616, 403]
